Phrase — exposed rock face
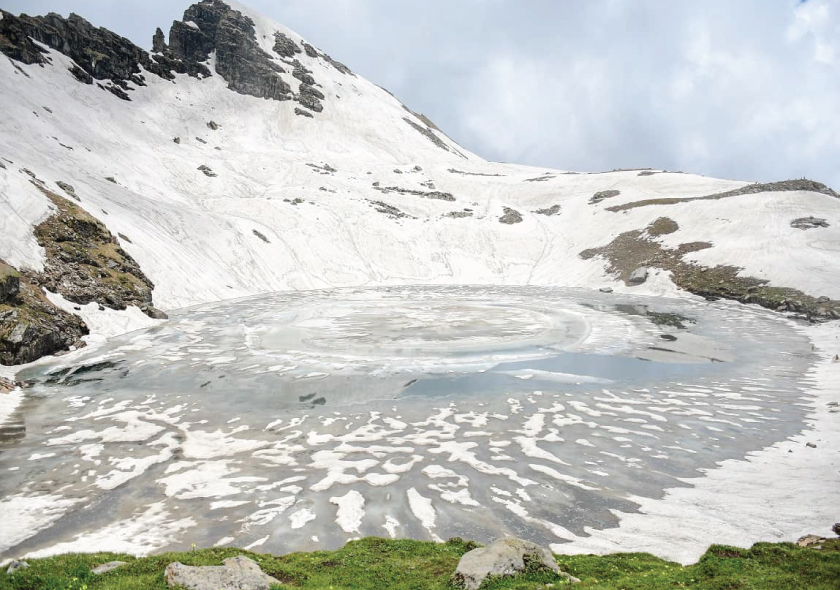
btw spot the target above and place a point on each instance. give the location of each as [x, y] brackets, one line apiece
[310, 98]
[437, 195]
[237, 572]
[428, 134]
[639, 276]
[67, 188]
[284, 46]
[32, 327]
[302, 73]
[808, 223]
[85, 263]
[207, 27]
[99, 54]
[553, 210]
[159, 42]
[310, 51]
[505, 557]
[239, 60]
[511, 216]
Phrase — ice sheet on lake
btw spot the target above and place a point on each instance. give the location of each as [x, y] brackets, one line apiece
[427, 412]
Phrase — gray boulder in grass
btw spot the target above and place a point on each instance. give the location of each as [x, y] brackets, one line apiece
[236, 573]
[504, 557]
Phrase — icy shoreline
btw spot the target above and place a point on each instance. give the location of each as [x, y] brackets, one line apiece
[777, 494]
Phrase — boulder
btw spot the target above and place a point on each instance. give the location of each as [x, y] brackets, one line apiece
[511, 216]
[15, 566]
[504, 557]
[236, 573]
[639, 276]
[284, 46]
[810, 540]
[808, 223]
[207, 171]
[107, 567]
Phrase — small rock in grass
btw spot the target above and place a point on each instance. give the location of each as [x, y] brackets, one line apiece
[810, 540]
[107, 567]
[505, 557]
[236, 572]
[16, 566]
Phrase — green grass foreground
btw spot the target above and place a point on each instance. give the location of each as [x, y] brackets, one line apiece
[415, 565]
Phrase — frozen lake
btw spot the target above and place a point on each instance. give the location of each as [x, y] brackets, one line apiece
[296, 421]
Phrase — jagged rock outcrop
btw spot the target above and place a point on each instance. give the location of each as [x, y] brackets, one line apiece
[212, 25]
[285, 46]
[32, 327]
[99, 54]
[159, 42]
[310, 97]
[85, 263]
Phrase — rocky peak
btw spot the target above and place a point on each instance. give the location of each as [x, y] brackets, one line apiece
[212, 25]
[159, 42]
[99, 54]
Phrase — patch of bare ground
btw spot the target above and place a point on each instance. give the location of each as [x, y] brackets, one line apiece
[634, 249]
[802, 184]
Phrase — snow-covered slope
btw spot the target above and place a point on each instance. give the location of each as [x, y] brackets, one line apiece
[297, 201]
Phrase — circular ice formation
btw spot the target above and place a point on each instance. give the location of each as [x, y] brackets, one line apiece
[418, 328]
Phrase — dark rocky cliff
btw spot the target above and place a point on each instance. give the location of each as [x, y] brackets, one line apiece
[85, 264]
[31, 326]
[117, 65]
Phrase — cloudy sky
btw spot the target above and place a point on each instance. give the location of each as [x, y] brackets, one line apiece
[746, 89]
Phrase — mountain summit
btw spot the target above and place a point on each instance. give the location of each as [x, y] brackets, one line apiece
[236, 158]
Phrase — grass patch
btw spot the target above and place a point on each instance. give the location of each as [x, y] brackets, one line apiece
[415, 565]
[7, 272]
